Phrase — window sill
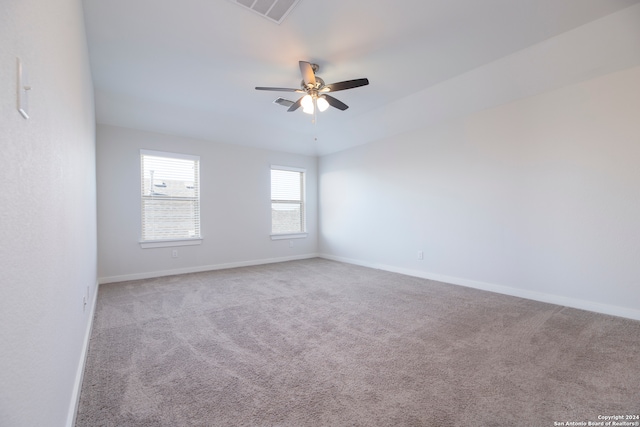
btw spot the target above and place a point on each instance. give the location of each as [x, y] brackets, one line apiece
[169, 243]
[289, 236]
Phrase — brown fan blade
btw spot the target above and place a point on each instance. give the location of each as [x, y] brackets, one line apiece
[348, 84]
[308, 76]
[335, 103]
[295, 105]
[279, 89]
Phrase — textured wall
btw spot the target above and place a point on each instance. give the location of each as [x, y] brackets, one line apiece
[235, 205]
[47, 210]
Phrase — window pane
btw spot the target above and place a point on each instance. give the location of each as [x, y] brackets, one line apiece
[170, 219]
[285, 185]
[286, 218]
[287, 201]
[170, 196]
[170, 177]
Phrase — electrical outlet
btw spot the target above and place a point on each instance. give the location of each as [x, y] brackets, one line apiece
[420, 255]
[174, 253]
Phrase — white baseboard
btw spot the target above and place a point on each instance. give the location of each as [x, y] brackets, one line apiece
[500, 289]
[77, 386]
[162, 273]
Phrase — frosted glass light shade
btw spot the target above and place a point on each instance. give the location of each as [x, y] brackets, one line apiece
[307, 104]
[322, 104]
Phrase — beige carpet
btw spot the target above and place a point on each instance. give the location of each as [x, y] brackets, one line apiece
[321, 343]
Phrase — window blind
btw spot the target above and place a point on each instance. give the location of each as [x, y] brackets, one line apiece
[287, 200]
[170, 193]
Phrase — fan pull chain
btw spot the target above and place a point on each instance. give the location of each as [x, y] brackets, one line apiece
[315, 112]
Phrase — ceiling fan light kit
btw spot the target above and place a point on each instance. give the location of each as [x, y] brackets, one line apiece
[315, 91]
[310, 104]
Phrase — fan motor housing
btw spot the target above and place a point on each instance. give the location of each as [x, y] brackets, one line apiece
[319, 84]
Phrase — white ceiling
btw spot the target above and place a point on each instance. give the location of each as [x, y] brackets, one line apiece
[189, 67]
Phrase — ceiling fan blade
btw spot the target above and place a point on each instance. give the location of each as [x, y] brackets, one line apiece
[335, 102]
[348, 84]
[308, 76]
[279, 89]
[283, 102]
[295, 105]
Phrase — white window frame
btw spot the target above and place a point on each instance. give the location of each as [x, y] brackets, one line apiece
[186, 241]
[293, 235]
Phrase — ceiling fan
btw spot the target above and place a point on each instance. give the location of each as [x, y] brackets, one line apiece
[315, 91]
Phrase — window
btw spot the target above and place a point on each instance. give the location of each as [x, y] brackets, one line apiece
[287, 202]
[170, 192]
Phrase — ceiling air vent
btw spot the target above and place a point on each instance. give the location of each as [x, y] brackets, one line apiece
[273, 10]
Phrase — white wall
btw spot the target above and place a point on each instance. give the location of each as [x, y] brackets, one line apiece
[47, 212]
[537, 198]
[235, 206]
